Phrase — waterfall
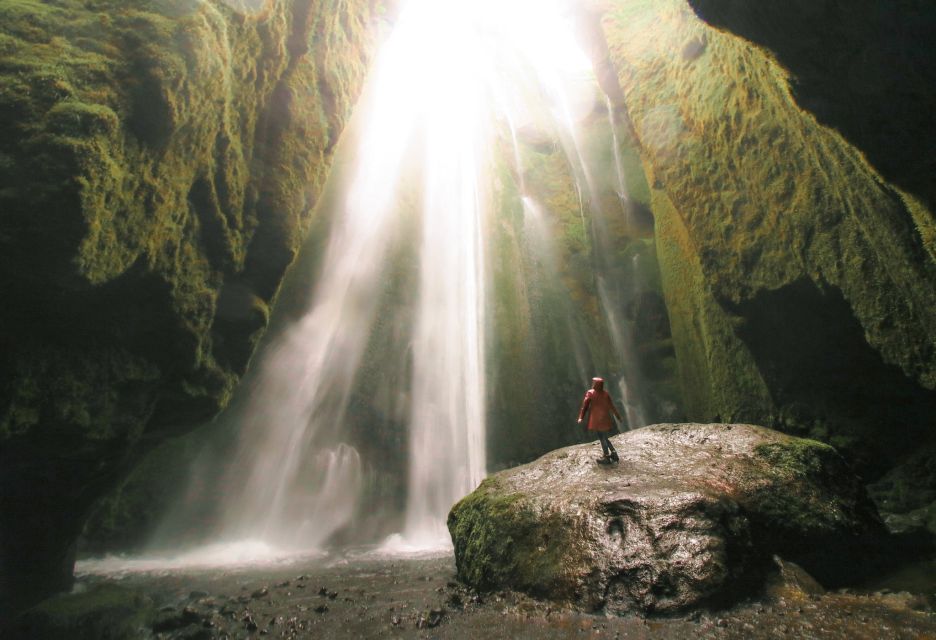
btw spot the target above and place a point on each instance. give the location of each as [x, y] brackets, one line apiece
[447, 424]
[448, 74]
[622, 192]
[302, 480]
[611, 299]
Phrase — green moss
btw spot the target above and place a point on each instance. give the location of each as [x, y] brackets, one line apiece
[499, 541]
[152, 154]
[805, 467]
[141, 125]
[77, 119]
[752, 196]
[797, 457]
[718, 375]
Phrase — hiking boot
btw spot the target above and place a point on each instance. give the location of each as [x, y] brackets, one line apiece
[603, 460]
[614, 457]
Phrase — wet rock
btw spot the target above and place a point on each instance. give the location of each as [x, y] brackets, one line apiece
[169, 620]
[248, 622]
[692, 513]
[795, 577]
[260, 593]
[322, 608]
[101, 611]
[430, 619]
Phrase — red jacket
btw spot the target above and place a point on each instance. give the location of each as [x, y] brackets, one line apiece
[600, 408]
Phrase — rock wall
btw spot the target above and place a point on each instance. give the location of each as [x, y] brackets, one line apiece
[548, 331]
[158, 166]
[794, 235]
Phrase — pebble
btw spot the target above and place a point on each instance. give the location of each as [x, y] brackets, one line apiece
[430, 619]
[249, 623]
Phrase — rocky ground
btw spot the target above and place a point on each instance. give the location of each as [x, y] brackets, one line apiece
[690, 528]
[361, 596]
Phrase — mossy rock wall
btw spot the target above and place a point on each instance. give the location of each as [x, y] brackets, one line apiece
[159, 163]
[798, 271]
[548, 332]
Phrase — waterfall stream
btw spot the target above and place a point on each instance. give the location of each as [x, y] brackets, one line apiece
[447, 79]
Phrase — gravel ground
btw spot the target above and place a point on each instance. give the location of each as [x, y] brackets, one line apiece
[364, 596]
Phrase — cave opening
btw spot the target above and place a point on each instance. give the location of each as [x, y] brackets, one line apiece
[828, 383]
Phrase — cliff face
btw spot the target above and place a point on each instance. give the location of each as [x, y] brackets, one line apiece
[158, 166]
[794, 235]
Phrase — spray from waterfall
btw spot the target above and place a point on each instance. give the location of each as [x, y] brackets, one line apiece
[303, 480]
[611, 296]
[447, 424]
[618, 164]
[542, 245]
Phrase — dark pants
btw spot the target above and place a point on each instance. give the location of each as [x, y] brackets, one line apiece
[606, 445]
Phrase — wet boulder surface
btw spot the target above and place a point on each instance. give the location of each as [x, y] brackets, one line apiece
[690, 516]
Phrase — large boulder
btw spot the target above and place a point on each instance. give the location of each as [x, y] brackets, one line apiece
[691, 515]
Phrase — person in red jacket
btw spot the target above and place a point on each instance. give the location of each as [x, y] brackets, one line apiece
[600, 408]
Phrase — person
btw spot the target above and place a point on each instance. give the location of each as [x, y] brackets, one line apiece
[600, 408]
